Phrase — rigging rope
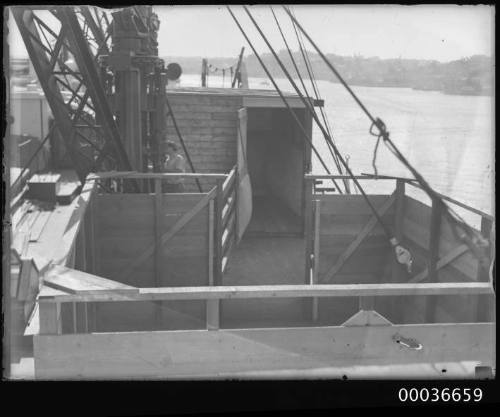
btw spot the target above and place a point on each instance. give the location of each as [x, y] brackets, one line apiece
[403, 256]
[294, 116]
[473, 239]
[310, 72]
[303, 85]
[379, 219]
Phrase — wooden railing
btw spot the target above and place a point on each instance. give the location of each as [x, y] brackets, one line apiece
[228, 217]
[51, 300]
[426, 233]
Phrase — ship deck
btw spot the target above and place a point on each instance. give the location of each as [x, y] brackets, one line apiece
[269, 308]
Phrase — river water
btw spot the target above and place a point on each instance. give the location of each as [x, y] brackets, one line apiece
[448, 138]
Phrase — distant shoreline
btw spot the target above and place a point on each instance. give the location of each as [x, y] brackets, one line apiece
[354, 84]
[470, 76]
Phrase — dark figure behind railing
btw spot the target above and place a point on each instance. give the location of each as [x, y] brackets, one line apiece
[174, 162]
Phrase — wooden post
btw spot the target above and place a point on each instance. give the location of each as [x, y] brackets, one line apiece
[86, 317]
[212, 305]
[308, 228]
[314, 280]
[211, 242]
[398, 225]
[484, 307]
[50, 318]
[94, 233]
[158, 246]
[219, 206]
[397, 268]
[90, 234]
[435, 234]
[94, 317]
[483, 273]
[75, 323]
[235, 206]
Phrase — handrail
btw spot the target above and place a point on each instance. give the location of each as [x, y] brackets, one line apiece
[153, 175]
[347, 177]
[459, 204]
[409, 181]
[272, 291]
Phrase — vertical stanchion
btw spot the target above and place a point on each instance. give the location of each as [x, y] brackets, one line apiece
[484, 306]
[75, 328]
[236, 197]
[218, 233]
[315, 270]
[158, 247]
[308, 227]
[86, 318]
[396, 269]
[435, 234]
[211, 305]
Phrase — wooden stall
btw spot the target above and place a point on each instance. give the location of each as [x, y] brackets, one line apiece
[367, 307]
[346, 244]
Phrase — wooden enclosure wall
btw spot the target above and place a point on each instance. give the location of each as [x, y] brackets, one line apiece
[126, 227]
[430, 237]
[343, 235]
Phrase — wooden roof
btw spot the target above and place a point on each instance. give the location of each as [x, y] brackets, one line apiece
[251, 97]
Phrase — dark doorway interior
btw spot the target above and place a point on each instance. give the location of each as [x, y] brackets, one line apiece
[276, 165]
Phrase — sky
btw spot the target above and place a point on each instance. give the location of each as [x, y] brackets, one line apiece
[437, 32]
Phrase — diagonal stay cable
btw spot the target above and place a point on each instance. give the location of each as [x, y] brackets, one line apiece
[386, 228]
[303, 84]
[472, 237]
[316, 92]
[306, 136]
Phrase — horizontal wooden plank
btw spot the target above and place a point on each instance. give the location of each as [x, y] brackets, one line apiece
[281, 291]
[154, 175]
[347, 177]
[74, 282]
[459, 204]
[325, 351]
[351, 204]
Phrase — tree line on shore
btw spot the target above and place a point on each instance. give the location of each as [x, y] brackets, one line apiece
[470, 76]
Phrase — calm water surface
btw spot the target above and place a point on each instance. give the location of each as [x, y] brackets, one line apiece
[448, 138]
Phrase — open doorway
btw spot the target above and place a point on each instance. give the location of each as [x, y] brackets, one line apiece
[276, 164]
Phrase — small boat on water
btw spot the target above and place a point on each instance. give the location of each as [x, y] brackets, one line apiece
[259, 269]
